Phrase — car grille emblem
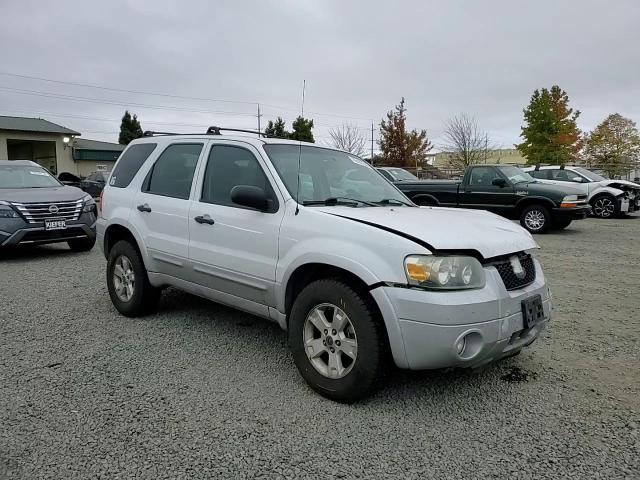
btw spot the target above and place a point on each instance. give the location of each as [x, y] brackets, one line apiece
[53, 209]
[516, 266]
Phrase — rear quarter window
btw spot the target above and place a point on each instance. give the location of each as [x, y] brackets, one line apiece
[129, 164]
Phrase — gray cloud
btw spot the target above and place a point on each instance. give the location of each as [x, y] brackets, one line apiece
[358, 58]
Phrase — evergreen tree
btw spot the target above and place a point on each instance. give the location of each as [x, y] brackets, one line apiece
[550, 134]
[276, 129]
[401, 148]
[130, 128]
[302, 130]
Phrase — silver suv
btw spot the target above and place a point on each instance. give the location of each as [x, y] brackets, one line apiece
[318, 241]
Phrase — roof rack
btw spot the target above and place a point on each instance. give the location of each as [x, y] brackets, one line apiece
[213, 130]
[210, 131]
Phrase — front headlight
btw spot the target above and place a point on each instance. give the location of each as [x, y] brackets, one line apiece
[6, 211]
[89, 204]
[444, 272]
[569, 201]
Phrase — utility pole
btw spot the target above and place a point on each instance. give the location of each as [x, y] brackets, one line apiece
[372, 142]
[259, 118]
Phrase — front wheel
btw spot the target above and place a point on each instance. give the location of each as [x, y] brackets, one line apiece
[82, 245]
[128, 283]
[337, 340]
[605, 206]
[535, 218]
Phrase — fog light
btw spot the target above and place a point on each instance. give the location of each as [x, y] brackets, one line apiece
[460, 345]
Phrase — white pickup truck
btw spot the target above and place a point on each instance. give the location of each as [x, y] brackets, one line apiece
[354, 271]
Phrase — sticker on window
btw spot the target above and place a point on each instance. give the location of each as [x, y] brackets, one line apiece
[42, 174]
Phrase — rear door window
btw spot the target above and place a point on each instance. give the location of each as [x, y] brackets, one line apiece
[129, 164]
[172, 174]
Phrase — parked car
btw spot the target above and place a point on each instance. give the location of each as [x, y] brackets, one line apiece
[35, 208]
[69, 179]
[396, 174]
[507, 191]
[608, 198]
[351, 278]
[94, 183]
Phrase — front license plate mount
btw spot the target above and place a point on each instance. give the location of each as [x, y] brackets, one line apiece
[532, 311]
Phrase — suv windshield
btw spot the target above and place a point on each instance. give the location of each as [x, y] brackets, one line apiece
[26, 176]
[401, 175]
[593, 177]
[331, 174]
[516, 175]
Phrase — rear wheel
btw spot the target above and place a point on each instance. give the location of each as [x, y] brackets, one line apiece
[535, 218]
[561, 223]
[128, 283]
[605, 206]
[337, 340]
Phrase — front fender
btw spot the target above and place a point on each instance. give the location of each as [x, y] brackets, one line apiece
[608, 190]
[365, 263]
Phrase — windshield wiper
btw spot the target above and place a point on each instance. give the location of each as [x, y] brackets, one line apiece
[339, 201]
[392, 201]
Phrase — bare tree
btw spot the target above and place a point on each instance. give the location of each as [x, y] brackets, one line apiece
[347, 137]
[465, 143]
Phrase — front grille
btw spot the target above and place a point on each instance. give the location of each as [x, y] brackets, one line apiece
[509, 278]
[39, 212]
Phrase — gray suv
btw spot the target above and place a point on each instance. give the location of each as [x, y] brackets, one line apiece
[35, 208]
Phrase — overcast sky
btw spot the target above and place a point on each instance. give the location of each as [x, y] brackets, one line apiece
[358, 59]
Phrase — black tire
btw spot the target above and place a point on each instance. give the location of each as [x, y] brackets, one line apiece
[542, 218]
[144, 299]
[368, 368]
[605, 206]
[82, 245]
[425, 202]
[561, 223]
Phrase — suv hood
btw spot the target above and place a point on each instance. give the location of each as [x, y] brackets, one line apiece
[446, 228]
[33, 195]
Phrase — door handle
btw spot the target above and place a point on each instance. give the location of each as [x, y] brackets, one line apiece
[204, 219]
[144, 208]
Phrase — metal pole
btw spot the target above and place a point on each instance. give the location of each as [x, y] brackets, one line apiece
[371, 142]
[259, 119]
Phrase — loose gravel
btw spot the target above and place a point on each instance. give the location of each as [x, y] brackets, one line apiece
[202, 391]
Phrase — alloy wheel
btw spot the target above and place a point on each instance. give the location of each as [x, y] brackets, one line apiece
[534, 219]
[330, 341]
[604, 207]
[123, 278]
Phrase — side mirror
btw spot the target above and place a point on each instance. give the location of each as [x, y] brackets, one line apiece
[499, 182]
[249, 196]
[577, 179]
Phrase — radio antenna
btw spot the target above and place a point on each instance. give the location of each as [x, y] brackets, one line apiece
[304, 85]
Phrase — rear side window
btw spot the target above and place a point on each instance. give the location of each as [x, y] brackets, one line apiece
[130, 163]
[172, 174]
[539, 174]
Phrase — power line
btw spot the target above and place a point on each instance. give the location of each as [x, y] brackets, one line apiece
[121, 104]
[168, 95]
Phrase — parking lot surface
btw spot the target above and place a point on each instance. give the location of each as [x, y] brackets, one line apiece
[202, 391]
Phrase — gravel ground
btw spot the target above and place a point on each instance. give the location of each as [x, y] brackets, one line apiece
[202, 391]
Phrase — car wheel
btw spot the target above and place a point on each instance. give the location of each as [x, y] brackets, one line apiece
[128, 283]
[535, 218]
[604, 206]
[83, 245]
[337, 340]
[425, 202]
[560, 223]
